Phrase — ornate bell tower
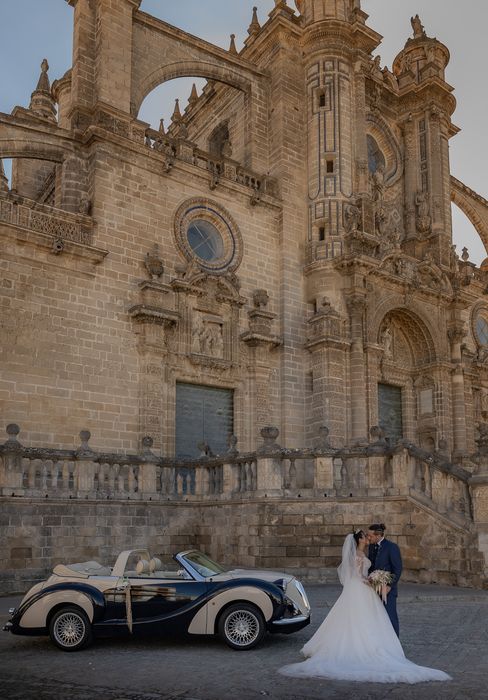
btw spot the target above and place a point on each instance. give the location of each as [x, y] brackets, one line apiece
[336, 43]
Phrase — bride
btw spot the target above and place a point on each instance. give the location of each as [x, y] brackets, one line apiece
[356, 641]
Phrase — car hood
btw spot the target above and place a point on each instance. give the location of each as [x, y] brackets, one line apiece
[261, 574]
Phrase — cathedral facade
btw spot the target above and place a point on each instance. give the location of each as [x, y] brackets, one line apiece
[276, 263]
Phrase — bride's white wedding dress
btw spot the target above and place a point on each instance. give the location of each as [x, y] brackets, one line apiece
[356, 641]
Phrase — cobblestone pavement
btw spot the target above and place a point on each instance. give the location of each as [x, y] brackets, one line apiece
[441, 627]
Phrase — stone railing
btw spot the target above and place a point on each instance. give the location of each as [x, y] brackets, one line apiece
[373, 470]
[43, 218]
[173, 149]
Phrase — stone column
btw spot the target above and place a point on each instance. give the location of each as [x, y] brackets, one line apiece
[436, 171]
[362, 171]
[356, 304]
[456, 335]
[411, 178]
[328, 349]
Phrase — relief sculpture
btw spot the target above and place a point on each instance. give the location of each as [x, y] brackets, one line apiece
[207, 337]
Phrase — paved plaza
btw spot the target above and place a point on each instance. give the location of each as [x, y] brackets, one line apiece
[441, 627]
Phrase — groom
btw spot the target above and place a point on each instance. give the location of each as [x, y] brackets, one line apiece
[385, 556]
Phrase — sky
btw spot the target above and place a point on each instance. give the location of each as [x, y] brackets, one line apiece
[43, 29]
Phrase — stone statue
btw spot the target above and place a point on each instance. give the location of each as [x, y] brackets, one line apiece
[381, 221]
[196, 332]
[387, 341]
[418, 27]
[423, 219]
[376, 67]
[378, 183]
[352, 216]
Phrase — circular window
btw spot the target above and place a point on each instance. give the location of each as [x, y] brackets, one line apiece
[207, 234]
[205, 240]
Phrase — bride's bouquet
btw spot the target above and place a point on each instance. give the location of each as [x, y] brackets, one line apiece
[379, 580]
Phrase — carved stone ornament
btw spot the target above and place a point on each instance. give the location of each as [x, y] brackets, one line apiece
[207, 335]
[260, 298]
[153, 263]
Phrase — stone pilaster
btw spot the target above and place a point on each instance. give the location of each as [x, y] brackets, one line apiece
[359, 422]
[260, 342]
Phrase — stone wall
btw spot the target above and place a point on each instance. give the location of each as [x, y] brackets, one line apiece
[303, 537]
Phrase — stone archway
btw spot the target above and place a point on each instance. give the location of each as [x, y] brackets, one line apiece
[405, 379]
[185, 69]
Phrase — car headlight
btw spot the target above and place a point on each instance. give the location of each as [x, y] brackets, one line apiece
[296, 592]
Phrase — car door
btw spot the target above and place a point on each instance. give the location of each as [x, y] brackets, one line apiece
[164, 602]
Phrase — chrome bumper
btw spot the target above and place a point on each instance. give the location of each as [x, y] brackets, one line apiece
[7, 627]
[298, 619]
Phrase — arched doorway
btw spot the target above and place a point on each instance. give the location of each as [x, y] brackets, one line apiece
[408, 382]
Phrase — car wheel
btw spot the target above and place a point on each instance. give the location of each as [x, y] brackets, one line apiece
[242, 626]
[70, 629]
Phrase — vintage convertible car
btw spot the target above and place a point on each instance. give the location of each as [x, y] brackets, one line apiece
[81, 601]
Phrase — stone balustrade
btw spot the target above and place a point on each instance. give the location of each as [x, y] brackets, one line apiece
[367, 471]
[173, 149]
[43, 218]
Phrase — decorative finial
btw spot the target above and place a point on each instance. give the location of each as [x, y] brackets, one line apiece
[418, 27]
[254, 27]
[43, 82]
[176, 116]
[153, 263]
[232, 47]
[193, 95]
[42, 102]
[161, 127]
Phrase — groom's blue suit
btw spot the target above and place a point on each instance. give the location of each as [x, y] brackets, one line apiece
[387, 557]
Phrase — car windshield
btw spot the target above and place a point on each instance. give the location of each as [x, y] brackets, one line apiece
[203, 564]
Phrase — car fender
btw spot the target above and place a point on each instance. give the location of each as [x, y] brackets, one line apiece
[34, 612]
[204, 620]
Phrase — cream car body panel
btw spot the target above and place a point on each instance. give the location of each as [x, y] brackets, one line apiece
[37, 614]
[204, 620]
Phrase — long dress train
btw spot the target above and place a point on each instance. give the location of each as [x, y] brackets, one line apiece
[356, 641]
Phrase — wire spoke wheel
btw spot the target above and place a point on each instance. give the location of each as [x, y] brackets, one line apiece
[70, 629]
[242, 626]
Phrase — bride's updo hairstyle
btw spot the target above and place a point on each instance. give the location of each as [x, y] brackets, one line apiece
[357, 536]
[379, 528]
